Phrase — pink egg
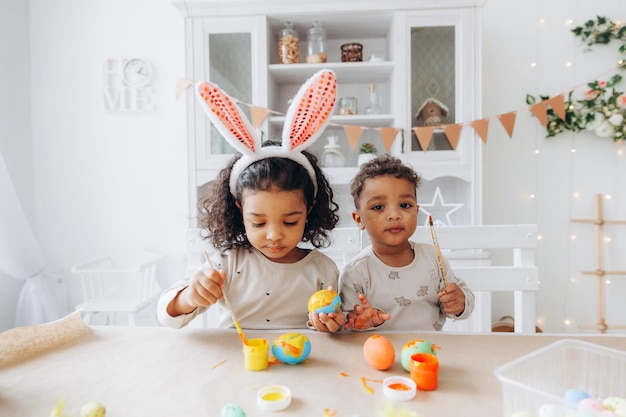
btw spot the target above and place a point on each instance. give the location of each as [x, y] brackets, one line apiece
[590, 405]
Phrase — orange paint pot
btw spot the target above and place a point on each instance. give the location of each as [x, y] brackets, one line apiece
[424, 368]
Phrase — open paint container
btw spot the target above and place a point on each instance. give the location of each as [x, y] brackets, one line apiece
[399, 388]
[273, 398]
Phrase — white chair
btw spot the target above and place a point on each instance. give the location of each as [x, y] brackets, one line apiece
[111, 286]
[490, 258]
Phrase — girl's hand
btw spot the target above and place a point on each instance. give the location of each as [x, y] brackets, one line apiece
[331, 322]
[365, 316]
[204, 289]
[452, 300]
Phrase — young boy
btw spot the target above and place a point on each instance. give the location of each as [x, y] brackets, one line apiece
[395, 280]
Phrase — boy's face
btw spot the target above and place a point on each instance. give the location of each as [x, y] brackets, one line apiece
[388, 211]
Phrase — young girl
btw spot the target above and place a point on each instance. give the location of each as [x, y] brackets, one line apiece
[267, 200]
[395, 280]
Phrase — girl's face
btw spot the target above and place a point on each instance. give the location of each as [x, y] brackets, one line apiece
[274, 221]
[388, 211]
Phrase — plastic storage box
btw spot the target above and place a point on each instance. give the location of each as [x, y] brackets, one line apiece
[542, 378]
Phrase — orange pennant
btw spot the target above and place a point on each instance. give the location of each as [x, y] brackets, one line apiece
[540, 111]
[388, 135]
[508, 122]
[181, 85]
[258, 115]
[481, 127]
[353, 133]
[558, 105]
[453, 132]
[424, 135]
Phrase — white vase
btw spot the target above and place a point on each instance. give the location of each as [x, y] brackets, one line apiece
[365, 157]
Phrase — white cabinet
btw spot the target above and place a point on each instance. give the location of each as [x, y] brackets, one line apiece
[412, 51]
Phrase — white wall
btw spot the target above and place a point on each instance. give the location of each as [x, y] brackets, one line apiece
[107, 182]
[516, 34]
[95, 182]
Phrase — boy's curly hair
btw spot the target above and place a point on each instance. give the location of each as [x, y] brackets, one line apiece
[382, 165]
[222, 219]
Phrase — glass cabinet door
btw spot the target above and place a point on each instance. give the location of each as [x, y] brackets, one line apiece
[228, 53]
[443, 86]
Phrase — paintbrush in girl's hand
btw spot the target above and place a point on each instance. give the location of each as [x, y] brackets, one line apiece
[442, 269]
[232, 312]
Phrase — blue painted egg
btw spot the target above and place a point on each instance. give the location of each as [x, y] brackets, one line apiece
[232, 410]
[413, 347]
[291, 348]
[324, 301]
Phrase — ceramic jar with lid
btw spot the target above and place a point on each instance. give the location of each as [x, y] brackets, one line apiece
[288, 45]
[316, 44]
[332, 156]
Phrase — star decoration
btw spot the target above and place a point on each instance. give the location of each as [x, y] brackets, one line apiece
[439, 209]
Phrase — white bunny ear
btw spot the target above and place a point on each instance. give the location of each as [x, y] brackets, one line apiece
[227, 118]
[310, 111]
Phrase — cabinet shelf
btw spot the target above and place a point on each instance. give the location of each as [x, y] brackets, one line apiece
[366, 120]
[346, 72]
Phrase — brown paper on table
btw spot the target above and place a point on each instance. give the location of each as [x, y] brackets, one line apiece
[24, 342]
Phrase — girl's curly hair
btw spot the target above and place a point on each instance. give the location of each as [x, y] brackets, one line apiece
[222, 219]
[382, 165]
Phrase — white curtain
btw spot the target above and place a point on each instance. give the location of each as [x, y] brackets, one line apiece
[21, 258]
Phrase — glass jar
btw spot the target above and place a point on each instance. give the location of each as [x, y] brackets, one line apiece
[316, 41]
[332, 156]
[288, 45]
[347, 106]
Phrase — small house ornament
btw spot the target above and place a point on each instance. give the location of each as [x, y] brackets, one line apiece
[431, 113]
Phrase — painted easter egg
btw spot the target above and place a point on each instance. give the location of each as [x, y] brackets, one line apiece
[616, 404]
[574, 396]
[324, 301]
[413, 347]
[232, 410]
[92, 410]
[379, 352]
[291, 348]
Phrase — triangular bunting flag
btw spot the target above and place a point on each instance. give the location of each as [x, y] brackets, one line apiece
[481, 127]
[258, 114]
[508, 122]
[388, 135]
[540, 111]
[558, 105]
[181, 85]
[424, 135]
[353, 133]
[453, 132]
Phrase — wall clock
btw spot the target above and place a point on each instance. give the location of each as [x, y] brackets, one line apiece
[136, 72]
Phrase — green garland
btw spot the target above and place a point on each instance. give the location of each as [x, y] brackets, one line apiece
[603, 107]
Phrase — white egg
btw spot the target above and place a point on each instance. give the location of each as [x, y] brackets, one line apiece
[616, 404]
[551, 410]
[92, 410]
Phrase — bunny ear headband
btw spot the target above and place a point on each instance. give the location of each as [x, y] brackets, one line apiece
[306, 118]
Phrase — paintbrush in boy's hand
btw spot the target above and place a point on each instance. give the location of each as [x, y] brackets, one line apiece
[442, 269]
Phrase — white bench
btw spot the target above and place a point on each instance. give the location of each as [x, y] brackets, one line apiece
[490, 258]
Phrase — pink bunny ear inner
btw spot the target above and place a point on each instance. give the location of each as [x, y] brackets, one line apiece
[226, 112]
[314, 109]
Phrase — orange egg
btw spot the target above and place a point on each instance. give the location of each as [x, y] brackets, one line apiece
[379, 352]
